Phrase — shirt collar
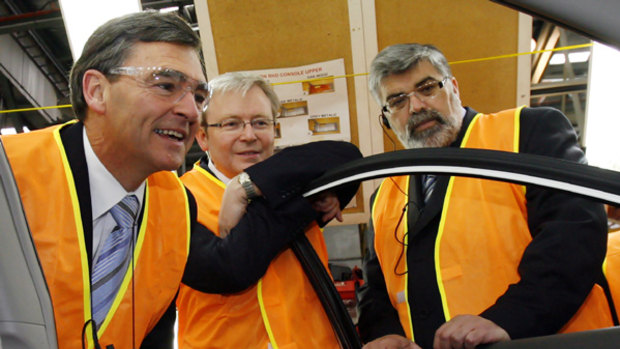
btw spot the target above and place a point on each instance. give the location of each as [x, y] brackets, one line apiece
[218, 173]
[105, 190]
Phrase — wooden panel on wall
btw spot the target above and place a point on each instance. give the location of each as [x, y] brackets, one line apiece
[275, 34]
[462, 30]
[251, 35]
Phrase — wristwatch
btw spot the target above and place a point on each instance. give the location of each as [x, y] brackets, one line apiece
[248, 186]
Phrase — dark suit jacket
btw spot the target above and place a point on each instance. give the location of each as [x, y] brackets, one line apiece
[548, 294]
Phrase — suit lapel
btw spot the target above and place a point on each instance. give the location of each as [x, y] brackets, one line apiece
[73, 142]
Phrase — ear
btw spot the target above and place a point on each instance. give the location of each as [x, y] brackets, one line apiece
[94, 87]
[201, 138]
[455, 86]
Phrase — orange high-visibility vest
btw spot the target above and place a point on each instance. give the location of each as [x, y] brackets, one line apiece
[611, 267]
[497, 236]
[280, 311]
[48, 193]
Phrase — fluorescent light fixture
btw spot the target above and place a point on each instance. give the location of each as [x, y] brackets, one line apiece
[550, 80]
[8, 131]
[602, 114]
[82, 17]
[573, 57]
[169, 9]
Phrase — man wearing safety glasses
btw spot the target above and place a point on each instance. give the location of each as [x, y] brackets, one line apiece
[238, 131]
[456, 261]
[114, 228]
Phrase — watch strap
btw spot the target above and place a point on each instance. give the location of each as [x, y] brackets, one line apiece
[248, 186]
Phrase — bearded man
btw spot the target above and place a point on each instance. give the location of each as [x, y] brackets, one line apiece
[459, 261]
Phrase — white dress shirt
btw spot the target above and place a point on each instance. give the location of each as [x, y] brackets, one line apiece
[105, 192]
[217, 173]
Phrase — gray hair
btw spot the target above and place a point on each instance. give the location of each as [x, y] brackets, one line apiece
[110, 45]
[397, 59]
[242, 82]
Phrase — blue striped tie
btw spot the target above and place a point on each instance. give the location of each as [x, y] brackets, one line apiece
[110, 266]
[428, 184]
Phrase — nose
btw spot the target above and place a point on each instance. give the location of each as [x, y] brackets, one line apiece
[415, 104]
[185, 105]
[247, 132]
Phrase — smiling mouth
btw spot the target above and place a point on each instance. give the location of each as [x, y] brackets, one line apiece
[246, 153]
[177, 136]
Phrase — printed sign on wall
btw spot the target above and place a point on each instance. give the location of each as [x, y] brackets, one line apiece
[314, 102]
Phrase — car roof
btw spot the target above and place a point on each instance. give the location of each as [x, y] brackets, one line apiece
[596, 19]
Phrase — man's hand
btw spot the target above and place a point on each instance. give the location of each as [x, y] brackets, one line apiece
[234, 203]
[328, 204]
[391, 341]
[468, 331]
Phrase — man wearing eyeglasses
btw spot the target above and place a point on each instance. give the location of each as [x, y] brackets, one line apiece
[115, 230]
[282, 309]
[458, 262]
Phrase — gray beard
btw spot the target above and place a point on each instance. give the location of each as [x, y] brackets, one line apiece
[440, 135]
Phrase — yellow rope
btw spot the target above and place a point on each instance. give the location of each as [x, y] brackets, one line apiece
[522, 53]
[36, 108]
[564, 48]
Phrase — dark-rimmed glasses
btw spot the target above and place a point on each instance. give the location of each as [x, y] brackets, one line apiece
[237, 125]
[424, 92]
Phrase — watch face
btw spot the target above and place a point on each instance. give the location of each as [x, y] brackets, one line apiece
[244, 178]
[246, 184]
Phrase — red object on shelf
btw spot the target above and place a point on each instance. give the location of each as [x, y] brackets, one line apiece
[347, 288]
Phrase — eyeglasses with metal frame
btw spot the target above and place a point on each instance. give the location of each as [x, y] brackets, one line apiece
[237, 125]
[424, 92]
[168, 83]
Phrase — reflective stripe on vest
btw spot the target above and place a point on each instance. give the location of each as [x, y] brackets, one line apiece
[280, 311]
[611, 267]
[390, 206]
[38, 160]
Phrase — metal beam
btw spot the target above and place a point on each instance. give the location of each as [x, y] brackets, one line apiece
[577, 85]
[569, 74]
[27, 78]
[32, 24]
[51, 68]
